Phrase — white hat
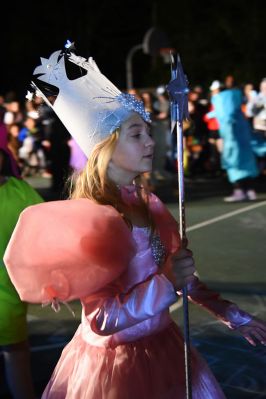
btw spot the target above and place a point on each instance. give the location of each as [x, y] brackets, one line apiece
[90, 106]
[216, 84]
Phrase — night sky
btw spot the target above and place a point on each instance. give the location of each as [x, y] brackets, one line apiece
[213, 38]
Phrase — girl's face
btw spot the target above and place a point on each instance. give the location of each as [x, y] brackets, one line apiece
[133, 152]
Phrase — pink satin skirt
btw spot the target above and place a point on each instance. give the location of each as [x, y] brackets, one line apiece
[149, 368]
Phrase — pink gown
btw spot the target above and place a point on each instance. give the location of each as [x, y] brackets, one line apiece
[127, 346]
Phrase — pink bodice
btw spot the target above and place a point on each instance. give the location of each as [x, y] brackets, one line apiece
[158, 289]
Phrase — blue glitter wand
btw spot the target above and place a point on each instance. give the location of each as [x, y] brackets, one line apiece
[178, 93]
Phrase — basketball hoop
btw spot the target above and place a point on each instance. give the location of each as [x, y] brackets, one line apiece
[165, 53]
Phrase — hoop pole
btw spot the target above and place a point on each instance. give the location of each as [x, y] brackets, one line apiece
[129, 73]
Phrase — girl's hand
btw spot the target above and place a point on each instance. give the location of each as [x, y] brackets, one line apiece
[180, 268]
[254, 331]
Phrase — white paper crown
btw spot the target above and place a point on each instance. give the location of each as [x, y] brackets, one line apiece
[90, 106]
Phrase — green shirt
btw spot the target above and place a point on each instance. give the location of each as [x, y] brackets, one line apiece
[15, 195]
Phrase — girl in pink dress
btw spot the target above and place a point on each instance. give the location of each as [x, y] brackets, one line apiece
[119, 252]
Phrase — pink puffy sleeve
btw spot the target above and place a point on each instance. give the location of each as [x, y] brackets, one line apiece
[67, 250]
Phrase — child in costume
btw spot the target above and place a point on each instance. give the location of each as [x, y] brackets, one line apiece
[15, 195]
[116, 247]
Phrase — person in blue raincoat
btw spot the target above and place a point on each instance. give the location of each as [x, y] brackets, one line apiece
[237, 158]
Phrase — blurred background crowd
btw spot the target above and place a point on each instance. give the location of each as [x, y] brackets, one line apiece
[42, 146]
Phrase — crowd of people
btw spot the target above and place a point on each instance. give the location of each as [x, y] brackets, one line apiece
[38, 141]
[42, 145]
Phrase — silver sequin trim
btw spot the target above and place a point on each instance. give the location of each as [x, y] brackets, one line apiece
[157, 250]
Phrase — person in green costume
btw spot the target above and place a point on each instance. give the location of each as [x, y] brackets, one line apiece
[15, 195]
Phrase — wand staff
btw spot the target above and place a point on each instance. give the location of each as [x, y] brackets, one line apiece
[178, 93]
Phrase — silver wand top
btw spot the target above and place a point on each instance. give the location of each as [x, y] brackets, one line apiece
[178, 92]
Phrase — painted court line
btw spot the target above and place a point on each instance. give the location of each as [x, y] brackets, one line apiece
[225, 216]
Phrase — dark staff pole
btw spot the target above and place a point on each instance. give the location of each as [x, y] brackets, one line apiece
[178, 91]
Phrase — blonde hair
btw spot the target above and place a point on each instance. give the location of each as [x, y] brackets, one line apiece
[93, 181]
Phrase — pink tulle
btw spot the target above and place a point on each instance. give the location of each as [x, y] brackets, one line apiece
[151, 367]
